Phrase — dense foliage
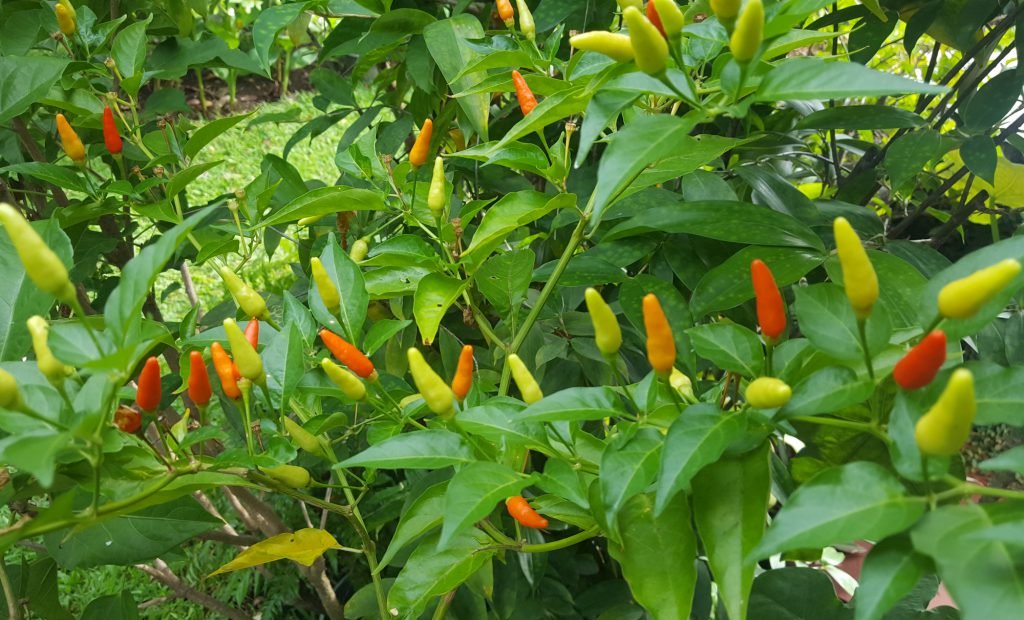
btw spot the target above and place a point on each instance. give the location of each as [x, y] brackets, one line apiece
[612, 310]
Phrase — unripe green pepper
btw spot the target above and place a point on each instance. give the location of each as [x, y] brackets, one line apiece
[649, 47]
[526, 23]
[52, 368]
[289, 475]
[360, 248]
[612, 44]
[251, 303]
[10, 395]
[246, 358]
[529, 389]
[437, 197]
[42, 265]
[325, 286]
[305, 440]
[348, 383]
[963, 298]
[433, 389]
[625, 4]
[944, 429]
[682, 384]
[670, 15]
[768, 393]
[746, 38]
[726, 10]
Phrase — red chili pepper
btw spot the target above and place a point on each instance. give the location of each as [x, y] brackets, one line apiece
[148, 393]
[226, 370]
[252, 332]
[652, 15]
[347, 354]
[127, 419]
[920, 365]
[771, 309]
[110, 135]
[527, 102]
[522, 512]
[198, 380]
[463, 373]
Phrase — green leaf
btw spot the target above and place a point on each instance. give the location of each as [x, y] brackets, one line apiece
[552, 109]
[429, 449]
[658, 556]
[1011, 460]
[728, 284]
[729, 346]
[979, 154]
[563, 480]
[431, 572]
[284, 362]
[132, 538]
[859, 500]
[827, 390]
[737, 222]
[26, 79]
[907, 409]
[123, 309]
[270, 21]
[1000, 393]
[35, 452]
[697, 438]
[984, 577]
[182, 179]
[890, 572]
[326, 201]
[991, 103]
[347, 276]
[473, 493]
[643, 142]
[209, 132]
[512, 212]
[501, 422]
[574, 404]
[825, 317]
[809, 78]
[628, 466]
[861, 117]
[112, 607]
[129, 54]
[448, 41]
[20, 298]
[909, 154]
[795, 594]
[382, 331]
[730, 500]
[61, 176]
[504, 279]
[435, 293]
[422, 516]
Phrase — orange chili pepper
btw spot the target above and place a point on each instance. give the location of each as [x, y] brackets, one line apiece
[148, 393]
[110, 134]
[771, 309]
[463, 373]
[70, 141]
[252, 332]
[348, 355]
[506, 13]
[420, 151]
[661, 344]
[652, 15]
[522, 512]
[226, 370]
[198, 380]
[527, 102]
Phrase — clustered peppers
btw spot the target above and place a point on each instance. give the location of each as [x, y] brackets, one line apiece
[148, 392]
[252, 332]
[649, 47]
[920, 365]
[771, 308]
[666, 16]
[524, 514]
[348, 383]
[527, 102]
[248, 361]
[344, 352]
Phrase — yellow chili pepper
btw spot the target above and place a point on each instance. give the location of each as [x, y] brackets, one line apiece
[289, 475]
[670, 15]
[607, 332]
[612, 44]
[649, 47]
[746, 38]
[437, 197]
[65, 20]
[944, 429]
[306, 440]
[682, 384]
[325, 286]
[625, 4]
[859, 277]
[526, 23]
[69, 140]
[347, 382]
[10, 395]
[432, 387]
[528, 387]
[251, 303]
[661, 344]
[246, 358]
[768, 393]
[42, 265]
[360, 248]
[726, 10]
[52, 368]
[963, 298]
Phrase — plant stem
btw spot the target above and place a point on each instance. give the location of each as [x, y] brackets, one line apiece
[849, 424]
[561, 544]
[442, 606]
[13, 608]
[862, 331]
[202, 91]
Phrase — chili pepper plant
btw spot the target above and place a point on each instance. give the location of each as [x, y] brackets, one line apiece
[611, 311]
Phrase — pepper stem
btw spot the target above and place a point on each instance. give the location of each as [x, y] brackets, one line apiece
[862, 331]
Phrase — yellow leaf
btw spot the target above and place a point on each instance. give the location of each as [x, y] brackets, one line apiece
[303, 546]
[1009, 182]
